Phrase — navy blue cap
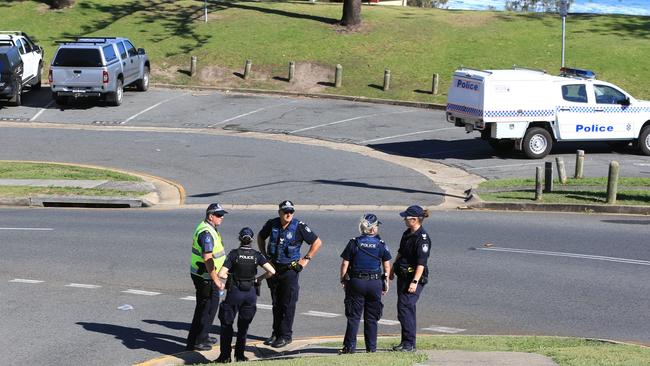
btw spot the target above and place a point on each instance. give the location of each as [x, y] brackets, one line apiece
[246, 234]
[286, 206]
[215, 209]
[413, 211]
[371, 220]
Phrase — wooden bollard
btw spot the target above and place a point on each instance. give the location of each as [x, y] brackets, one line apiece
[434, 85]
[386, 79]
[338, 76]
[193, 60]
[548, 177]
[612, 182]
[580, 162]
[247, 69]
[538, 183]
[292, 70]
[561, 171]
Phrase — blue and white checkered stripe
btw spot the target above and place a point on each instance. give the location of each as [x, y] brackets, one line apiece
[465, 110]
[521, 113]
[610, 109]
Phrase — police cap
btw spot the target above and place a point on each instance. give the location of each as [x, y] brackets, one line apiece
[215, 209]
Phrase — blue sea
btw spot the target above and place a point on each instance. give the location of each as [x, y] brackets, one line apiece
[632, 7]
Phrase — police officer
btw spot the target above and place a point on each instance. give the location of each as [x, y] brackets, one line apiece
[207, 257]
[411, 269]
[286, 235]
[364, 271]
[240, 268]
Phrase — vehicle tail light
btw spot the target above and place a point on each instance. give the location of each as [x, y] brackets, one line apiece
[105, 76]
[49, 77]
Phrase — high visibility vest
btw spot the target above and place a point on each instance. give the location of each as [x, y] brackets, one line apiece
[197, 264]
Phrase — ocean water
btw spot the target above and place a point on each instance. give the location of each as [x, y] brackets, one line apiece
[632, 7]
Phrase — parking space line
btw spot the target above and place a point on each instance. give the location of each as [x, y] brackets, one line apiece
[447, 330]
[23, 280]
[347, 120]
[264, 306]
[320, 314]
[140, 292]
[27, 228]
[41, 111]
[570, 255]
[152, 107]
[388, 322]
[249, 113]
[407, 134]
[81, 285]
[190, 298]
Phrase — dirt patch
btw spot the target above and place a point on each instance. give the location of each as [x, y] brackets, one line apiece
[311, 77]
[363, 28]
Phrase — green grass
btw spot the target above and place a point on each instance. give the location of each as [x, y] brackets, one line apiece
[22, 191]
[631, 191]
[23, 170]
[413, 43]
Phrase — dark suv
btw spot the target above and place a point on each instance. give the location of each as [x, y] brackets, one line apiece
[11, 74]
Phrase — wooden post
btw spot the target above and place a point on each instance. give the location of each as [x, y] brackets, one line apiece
[580, 161]
[561, 171]
[338, 76]
[247, 69]
[548, 177]
[612, 182]
[538, 183]
[193, 66]
[434, 85]
[292, 70]
[386, 79]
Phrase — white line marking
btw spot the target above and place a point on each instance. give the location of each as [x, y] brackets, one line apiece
[27, 228]
[191, 298]
[321, 314]
[503, 166]
[347, 120]
[41, 111]
[407, 134]
[570, 255]
[264, 306]
[444, 329]
[22, 280]
[388, 322]
[249, 113]
[152, 107]
[140, 292]
[82, 285]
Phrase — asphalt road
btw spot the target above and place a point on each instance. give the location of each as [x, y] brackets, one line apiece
[395, 130]
[585, 276]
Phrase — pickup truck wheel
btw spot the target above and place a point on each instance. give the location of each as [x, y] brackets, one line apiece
[115, 98]
[143, 84]
[644, 140]
[17, 99]
[502, 145]
[537, 143]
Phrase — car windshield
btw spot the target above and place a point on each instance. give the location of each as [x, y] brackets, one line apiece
[78, 57]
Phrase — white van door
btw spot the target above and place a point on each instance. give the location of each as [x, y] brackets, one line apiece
[573, 111]
[613, 112]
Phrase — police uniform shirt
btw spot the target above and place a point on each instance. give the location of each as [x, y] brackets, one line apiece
[206, 241]
[303, 232]
[414, 249]
[352, 249]
[231, 259]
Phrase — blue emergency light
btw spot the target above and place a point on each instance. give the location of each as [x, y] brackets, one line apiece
[580, 73]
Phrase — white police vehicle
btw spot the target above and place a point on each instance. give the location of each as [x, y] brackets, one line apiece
[31, 54]
[529, 109]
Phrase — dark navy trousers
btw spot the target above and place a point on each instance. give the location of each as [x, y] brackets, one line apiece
[284, 296]
[207, 303]
[244, 303]
[406, 311]
[362, 296]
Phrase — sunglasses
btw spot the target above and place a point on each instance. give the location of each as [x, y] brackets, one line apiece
[288, 212]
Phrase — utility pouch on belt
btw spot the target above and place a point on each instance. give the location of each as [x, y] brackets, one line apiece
[258, 288]
[384, 283]
[245, 285]
[296, 266]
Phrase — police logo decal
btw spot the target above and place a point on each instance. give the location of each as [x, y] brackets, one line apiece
[424, 236]
[289, 235]
[308, 229]
[425, 247]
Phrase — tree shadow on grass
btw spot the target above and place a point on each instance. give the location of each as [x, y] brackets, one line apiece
[278, 12]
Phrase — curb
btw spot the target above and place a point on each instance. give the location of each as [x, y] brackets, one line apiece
[405, 103]
[560, 207]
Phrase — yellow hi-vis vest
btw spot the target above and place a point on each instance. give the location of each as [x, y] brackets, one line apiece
[197, 264]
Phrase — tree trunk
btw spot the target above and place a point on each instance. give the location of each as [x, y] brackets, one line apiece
[60, 4]
[351, 13]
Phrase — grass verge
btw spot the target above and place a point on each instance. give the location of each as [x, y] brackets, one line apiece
[22, 191]
[26, 170]
[413, 43]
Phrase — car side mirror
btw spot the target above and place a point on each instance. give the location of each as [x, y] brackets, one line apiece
[625, 101]
[141, 51]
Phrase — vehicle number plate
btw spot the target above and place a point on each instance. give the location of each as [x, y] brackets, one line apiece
[78, 91]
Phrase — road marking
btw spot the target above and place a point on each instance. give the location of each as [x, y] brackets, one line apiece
[570, 255]
[388, 322]
[22, 280]
[82, 285]
[140, 292]
[41, 111]
[503, 166]
[321, 314]
[264, 306]
[347, 120]
[407, 134]
[152, 107]
[249, 113]
[191, 298]
[448, 330]
[27, 228]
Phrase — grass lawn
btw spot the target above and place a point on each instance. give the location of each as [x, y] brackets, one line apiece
[22, 191]
[413, 43]
[631, 191]
[25, 170]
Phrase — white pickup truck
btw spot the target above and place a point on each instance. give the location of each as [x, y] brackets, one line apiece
[529, 109]
[31, 54]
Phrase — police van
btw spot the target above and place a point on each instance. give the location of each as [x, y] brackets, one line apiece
[528, 109]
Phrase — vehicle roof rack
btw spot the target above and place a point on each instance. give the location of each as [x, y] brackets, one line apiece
[515, 67]
[86, 40]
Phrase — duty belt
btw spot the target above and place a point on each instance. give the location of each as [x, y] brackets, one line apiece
[366, 276]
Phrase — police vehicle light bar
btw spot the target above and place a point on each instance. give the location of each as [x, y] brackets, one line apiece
[581, 73]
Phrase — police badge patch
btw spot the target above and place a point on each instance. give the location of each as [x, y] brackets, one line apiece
[289, 235]
[425, 247]
[308, 229]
